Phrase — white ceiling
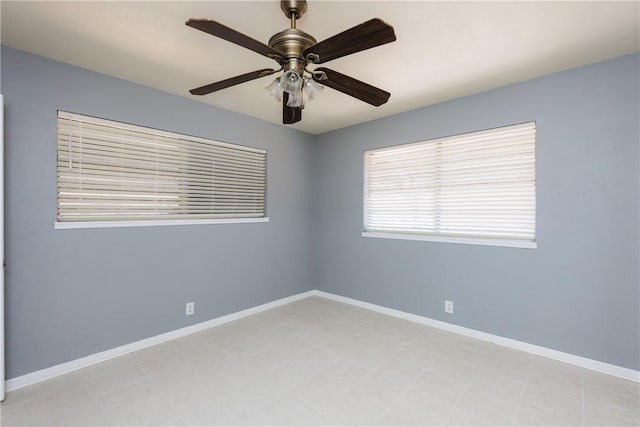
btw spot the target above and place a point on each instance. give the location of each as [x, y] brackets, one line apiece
[444, 50]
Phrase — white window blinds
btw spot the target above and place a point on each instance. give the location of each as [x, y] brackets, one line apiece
[110, 171]
[477, 185]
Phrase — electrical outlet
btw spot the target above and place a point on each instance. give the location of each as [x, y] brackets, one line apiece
[190, 308]
[448, 306]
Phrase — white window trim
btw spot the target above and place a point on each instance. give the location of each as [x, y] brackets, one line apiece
[450, 239]
[153, 223]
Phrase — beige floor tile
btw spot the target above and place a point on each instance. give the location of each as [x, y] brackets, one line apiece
[255, 394]
[377, 388]
[499, 387]
[277, 336]
[285, 378]
[17, 397]
[623, 406]
[286, 411]
[319, 420]
[238, 372]
[395, 329]
[140, 405]
[391, 418]
[419, 409]
[464, 356]
[440, 387]
[161, 360]
[214, 415]
[449, 368]
[68, 411]
[211, 361]
[115, 374]
[557, 378]
[343, 346]
[512, 364]
[318, 391]
[17, 415]
[472, 345]
[460, 418]
[437, 337]
[370, 359]
[420, 353]
[400, 371]
[243, 348]
[229, 332]
[351, 409]
[539, 404]
[73, 384]
[373, 341]
[598, 417]
[192, 394]
[276, 355]
[321, 333]
[485, 405]
[557, 369]
[537, 418]
[345, 372]
[610, 383]
[315, 360]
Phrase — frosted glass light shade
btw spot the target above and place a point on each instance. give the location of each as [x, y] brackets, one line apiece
[275, 89]
[295, 99]
[312, 89]
[291, 82]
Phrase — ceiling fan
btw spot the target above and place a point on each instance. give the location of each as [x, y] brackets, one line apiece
[294, 50]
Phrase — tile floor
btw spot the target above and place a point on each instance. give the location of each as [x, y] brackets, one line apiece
[319, 362]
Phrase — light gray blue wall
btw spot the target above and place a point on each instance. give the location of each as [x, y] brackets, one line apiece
[74, 292]
[71, 293]
[579, 291]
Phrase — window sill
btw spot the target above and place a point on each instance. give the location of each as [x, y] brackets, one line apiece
[446, 239]
[153, 223]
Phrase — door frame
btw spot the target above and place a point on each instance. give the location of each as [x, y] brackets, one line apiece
[2, 358]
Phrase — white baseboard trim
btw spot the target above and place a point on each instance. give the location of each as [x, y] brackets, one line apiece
[73, 365]
[64, 368]
[583, 362]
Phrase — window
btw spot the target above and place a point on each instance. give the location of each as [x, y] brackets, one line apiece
[115, 174]
[476, 188]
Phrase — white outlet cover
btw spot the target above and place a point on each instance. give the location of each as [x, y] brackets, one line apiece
[190, 309]
[448, 306]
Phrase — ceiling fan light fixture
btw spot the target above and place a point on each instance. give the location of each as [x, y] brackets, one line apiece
[312, 89]
[291, 82]
[295, 100]
[275, 89]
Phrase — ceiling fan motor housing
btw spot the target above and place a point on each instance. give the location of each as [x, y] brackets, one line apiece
[292, 42]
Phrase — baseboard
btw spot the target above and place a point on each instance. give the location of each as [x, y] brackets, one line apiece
[64, 368]
[583, 362]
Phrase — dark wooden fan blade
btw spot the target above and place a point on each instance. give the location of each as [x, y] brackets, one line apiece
[372, 33]
[345, 84]
[290, 115]
[203, 90]
[216, 29]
